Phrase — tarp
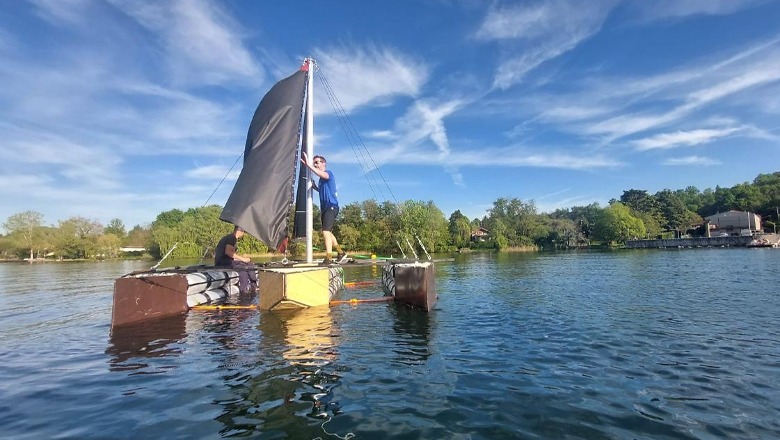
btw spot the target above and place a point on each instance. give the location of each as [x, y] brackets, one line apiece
[299, 224]
[261, 199]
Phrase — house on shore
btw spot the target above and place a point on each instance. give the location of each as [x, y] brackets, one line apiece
[733, 223]
[480, 234]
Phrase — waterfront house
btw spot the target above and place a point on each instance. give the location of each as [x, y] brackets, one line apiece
[480, 234]
[734, 223]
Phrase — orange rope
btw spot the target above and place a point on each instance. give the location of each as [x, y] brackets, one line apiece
[255, 307]
[358, 301]
[223, 307]
[360, 283]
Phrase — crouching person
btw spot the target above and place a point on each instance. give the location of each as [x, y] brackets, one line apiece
[226, 256]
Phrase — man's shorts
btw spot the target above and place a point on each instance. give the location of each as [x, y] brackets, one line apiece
[329, 218]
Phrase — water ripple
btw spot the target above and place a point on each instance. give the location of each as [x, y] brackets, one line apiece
[614, 345]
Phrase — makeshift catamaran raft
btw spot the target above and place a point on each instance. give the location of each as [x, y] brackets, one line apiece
[281, 129]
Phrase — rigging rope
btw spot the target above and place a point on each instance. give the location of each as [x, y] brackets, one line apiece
[355, 141]
[206, 250]
[360, 151]
[223, 179]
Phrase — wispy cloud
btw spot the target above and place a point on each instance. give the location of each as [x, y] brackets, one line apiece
[683, 138]
[660, 9]
[691, 160]
[414, 133]
[510, 157]
[204, 45]
[717, 87]
[539, 32]
[578, 200]
[212, 172]
[20, 184]
[59, 157]
[424, 120]
[553, 194]
[370, 75]
[63, 11]
[611, 107]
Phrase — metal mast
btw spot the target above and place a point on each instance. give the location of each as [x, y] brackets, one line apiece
[310, 155]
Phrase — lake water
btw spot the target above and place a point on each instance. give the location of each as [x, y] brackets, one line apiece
[657, 344]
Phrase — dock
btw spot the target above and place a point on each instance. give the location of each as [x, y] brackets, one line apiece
[702, 242]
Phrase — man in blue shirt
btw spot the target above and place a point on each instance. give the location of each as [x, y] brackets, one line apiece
[329, 206]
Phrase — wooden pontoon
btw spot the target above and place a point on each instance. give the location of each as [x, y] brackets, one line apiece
[411, 282]
[140, 296]
[298, 286]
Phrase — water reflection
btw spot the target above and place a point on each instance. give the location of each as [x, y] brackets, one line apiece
[141, 341]
[291, 391]
[231, 330]
[412, 329]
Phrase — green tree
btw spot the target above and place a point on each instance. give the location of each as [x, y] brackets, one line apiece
[616, 224]
[195, 234]
[562, 234]
[425, 221]
[769, 186]
[7, 246]
[691, 198]
[115, 227]
[108, 245]
[676, 215]
[639, 200]
[652, 227]
[378, 226]
[459, 229]
[66, 241]
[521, 225]
[349, 235]
[584, 217]
[373, 228]
[747, 197]
[26, 225]
[138, 236]
[708, 202]
[77, 237]
[163, 239]
[499, 232]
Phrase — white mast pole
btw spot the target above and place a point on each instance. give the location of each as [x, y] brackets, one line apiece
[310, 155]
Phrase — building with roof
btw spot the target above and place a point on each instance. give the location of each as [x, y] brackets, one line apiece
[734, 223]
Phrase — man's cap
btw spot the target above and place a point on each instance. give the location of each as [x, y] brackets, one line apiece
[240, 229]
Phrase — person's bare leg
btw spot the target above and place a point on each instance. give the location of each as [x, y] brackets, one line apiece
[328, 238]
[335, 244]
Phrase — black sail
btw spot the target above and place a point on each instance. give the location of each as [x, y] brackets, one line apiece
[261, 199]
[299, 222]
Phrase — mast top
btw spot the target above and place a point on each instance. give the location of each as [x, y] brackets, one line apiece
[306, 62]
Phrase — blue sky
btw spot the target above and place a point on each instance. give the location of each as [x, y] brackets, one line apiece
[124, 109]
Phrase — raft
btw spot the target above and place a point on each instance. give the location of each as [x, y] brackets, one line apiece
[140, 296]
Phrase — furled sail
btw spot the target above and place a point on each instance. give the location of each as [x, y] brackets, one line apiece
[299, 221]
[260, 200]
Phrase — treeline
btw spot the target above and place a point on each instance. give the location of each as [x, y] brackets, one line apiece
[667, 213]
[386, 228]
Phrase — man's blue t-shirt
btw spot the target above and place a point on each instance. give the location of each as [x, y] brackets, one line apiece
[327, 190]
